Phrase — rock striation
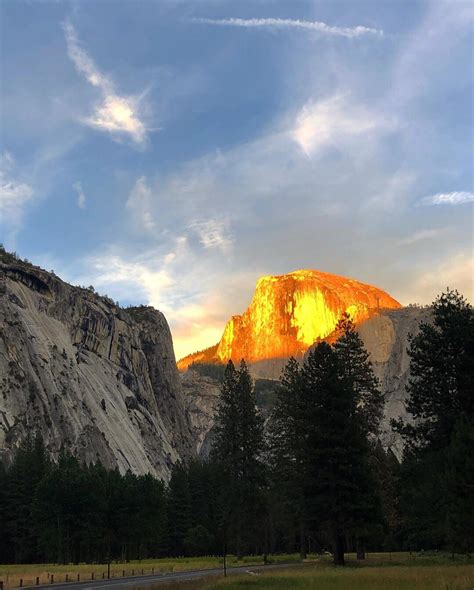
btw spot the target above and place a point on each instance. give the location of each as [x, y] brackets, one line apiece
[288, 313]
[89, 376]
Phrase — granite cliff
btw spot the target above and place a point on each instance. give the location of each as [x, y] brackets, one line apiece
[288, 313]
[90, 376]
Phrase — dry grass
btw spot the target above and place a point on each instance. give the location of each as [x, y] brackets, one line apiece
[12, 574]
[402, 572]
[398, 571]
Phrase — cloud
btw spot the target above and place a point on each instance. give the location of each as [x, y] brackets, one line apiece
[14, 193]
[213, 233]
[286, 23]
[331, 121]
[81, 197]
[118, 115]
[140, 203]
[177, 281]
[421, 236]
[453, 198]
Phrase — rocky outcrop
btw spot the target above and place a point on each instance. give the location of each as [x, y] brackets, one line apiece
[288, 313]
[201, 395]
[88, 375]
[386, 338]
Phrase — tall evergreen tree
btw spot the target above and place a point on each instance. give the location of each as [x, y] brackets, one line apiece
[338, 476]
[357, 370]
[238, 449]
[369, 402]
[179, 509]
[30, 465]
[287, 450]
[438, 431]
[441, 385]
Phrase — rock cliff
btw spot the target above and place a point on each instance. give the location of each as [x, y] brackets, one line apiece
[90, 376]
[288, 313]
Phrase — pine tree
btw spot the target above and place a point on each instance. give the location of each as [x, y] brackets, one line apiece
[30, 465]
[441, 382]
[238, 449]
[338, 478]
[441, 407]
[369, 401]
[357, 370]
[286, 441]
[178, 510]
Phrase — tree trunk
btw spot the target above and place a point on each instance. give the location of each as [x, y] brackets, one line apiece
[303, 552]
[360, 544]
[339, 549]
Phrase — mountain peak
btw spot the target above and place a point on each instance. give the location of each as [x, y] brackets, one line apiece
[289, 312]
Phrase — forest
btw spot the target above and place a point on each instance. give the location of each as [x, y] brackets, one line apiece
[312, 476]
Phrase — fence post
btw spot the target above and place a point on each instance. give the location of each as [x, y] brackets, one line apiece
[67, 577]
[37, 580]
[92, 575]
[78, 577]
[123, 573]
[133, 572]
[52, 578]
[21, 582]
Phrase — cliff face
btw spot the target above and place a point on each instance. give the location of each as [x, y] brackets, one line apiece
[385, 337]
[88, 375]
[289, 313]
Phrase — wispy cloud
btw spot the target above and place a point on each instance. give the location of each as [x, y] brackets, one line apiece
[286, 23]
[453, 198]
[421, 236]
[115, 114]
[14, 193]
[81, 197]
[140, 203]
[213, 233]
[331, 121]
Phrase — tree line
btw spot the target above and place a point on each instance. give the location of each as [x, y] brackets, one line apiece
[313, 476]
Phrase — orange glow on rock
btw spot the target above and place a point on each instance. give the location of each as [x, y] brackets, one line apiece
[288, 313]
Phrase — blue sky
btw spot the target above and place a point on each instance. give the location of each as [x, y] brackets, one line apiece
[172, 152]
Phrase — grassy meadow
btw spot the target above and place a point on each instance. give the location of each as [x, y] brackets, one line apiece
[12, 574]
[378, 572]
[381, 571]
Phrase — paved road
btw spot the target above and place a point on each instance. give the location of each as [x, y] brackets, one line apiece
[141, 581]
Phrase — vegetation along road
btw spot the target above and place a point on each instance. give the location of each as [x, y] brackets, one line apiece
[165, 578]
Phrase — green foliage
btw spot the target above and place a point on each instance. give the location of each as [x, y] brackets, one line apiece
[441, 375]
[438, 471]
[213, 370]
[238, 450]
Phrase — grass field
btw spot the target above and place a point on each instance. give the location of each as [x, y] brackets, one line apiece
[402, 572]
[12, 574]
[381, 571]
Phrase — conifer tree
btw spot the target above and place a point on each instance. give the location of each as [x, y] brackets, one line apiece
[286, 440]
[437, 462]
[359, 376]
[238, 449]
[178, 512]
[441, 384]
[338, 478]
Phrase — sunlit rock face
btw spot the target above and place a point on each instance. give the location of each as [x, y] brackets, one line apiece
[288, 313]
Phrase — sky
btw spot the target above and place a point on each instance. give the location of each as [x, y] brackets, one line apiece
[170, 152]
